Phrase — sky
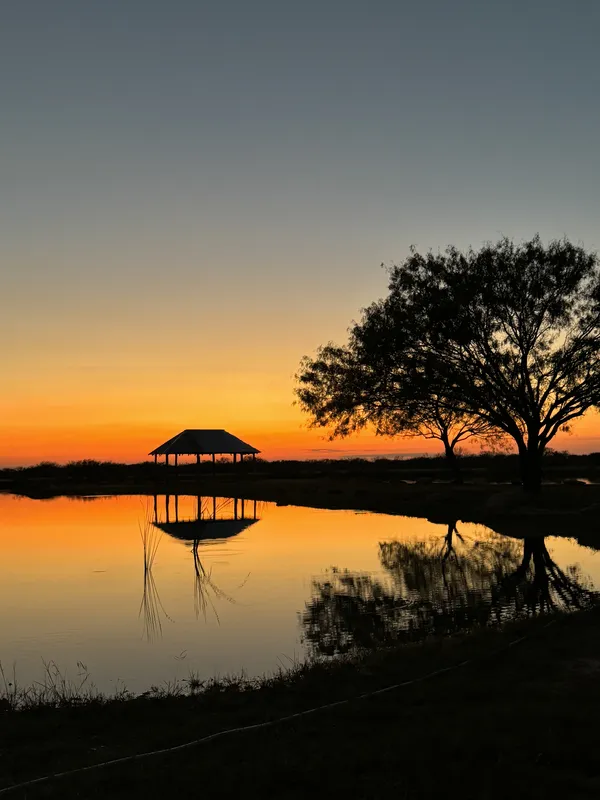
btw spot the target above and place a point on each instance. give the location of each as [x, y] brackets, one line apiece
[197, 194]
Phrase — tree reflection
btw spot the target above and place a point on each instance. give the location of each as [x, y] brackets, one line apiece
[540, 585]
[439, 588]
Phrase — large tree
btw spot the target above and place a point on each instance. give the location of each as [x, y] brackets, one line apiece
[507, 336]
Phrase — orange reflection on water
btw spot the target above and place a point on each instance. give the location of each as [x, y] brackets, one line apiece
[74, 584]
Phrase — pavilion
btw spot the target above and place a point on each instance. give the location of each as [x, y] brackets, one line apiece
[199, 442]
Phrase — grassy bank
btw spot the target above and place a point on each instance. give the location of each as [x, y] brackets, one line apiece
[515, 721]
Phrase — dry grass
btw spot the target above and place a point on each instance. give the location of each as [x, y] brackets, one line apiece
[55, 689]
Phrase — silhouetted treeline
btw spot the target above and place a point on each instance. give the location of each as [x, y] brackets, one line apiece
[557, 466]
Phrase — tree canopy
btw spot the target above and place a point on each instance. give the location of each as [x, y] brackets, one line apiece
[505, 338]
[345, 389]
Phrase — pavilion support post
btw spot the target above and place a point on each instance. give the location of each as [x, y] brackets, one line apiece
[175, 460]
[214, 507]
[253, 461]
[243, 508]
[167, 504]
[167, 459]
[155, 508]
[156, 458]
[214, 458]
[234, 459]
[254, 510]
[235, 508]
[176, 506]
[198, 459]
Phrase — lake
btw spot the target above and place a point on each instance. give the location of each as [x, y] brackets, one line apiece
[148, 590]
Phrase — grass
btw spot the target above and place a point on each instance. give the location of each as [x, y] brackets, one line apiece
[56, 689]
[516, 721]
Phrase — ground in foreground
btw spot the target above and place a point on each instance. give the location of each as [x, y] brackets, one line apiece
[516, 721]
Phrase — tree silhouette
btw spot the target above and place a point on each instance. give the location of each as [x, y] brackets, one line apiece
[507, 336]
[438, 588]
[345, 389]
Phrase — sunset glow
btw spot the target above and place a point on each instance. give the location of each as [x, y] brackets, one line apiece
[186, 221]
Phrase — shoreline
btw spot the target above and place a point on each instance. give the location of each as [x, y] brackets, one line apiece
[559, 509]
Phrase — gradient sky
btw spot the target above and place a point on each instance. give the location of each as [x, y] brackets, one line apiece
[195, 194]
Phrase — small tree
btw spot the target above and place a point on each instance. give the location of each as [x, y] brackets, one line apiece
[345, 389]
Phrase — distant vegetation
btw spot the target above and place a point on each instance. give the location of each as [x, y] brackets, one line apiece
[484, 467]
[501, 344]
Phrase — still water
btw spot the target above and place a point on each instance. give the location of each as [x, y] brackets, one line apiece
[147, 590]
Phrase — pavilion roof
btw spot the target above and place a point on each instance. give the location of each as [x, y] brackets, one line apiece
[208, 531]
[194, 441]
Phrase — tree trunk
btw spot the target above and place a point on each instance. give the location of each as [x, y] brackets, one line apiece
[530, 459]
[451, 459]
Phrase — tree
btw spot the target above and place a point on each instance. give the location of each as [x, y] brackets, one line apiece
[511, 332]
[348, 388]
[507, 336]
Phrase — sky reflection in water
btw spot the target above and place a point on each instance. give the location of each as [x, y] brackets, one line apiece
[142, 592]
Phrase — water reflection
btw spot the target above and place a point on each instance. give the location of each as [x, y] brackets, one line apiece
[205, 588]
[215, 519]
[440, 588]
[92, 551]
[151, 608]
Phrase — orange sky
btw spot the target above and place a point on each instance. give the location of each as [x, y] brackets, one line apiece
[129, 442]
[115, 394]
[62, 440]
[102, 376]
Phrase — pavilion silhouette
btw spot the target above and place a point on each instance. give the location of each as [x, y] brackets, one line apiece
[198, 442]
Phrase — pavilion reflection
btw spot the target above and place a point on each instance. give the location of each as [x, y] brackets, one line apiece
[210, 519]
[204, 521]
